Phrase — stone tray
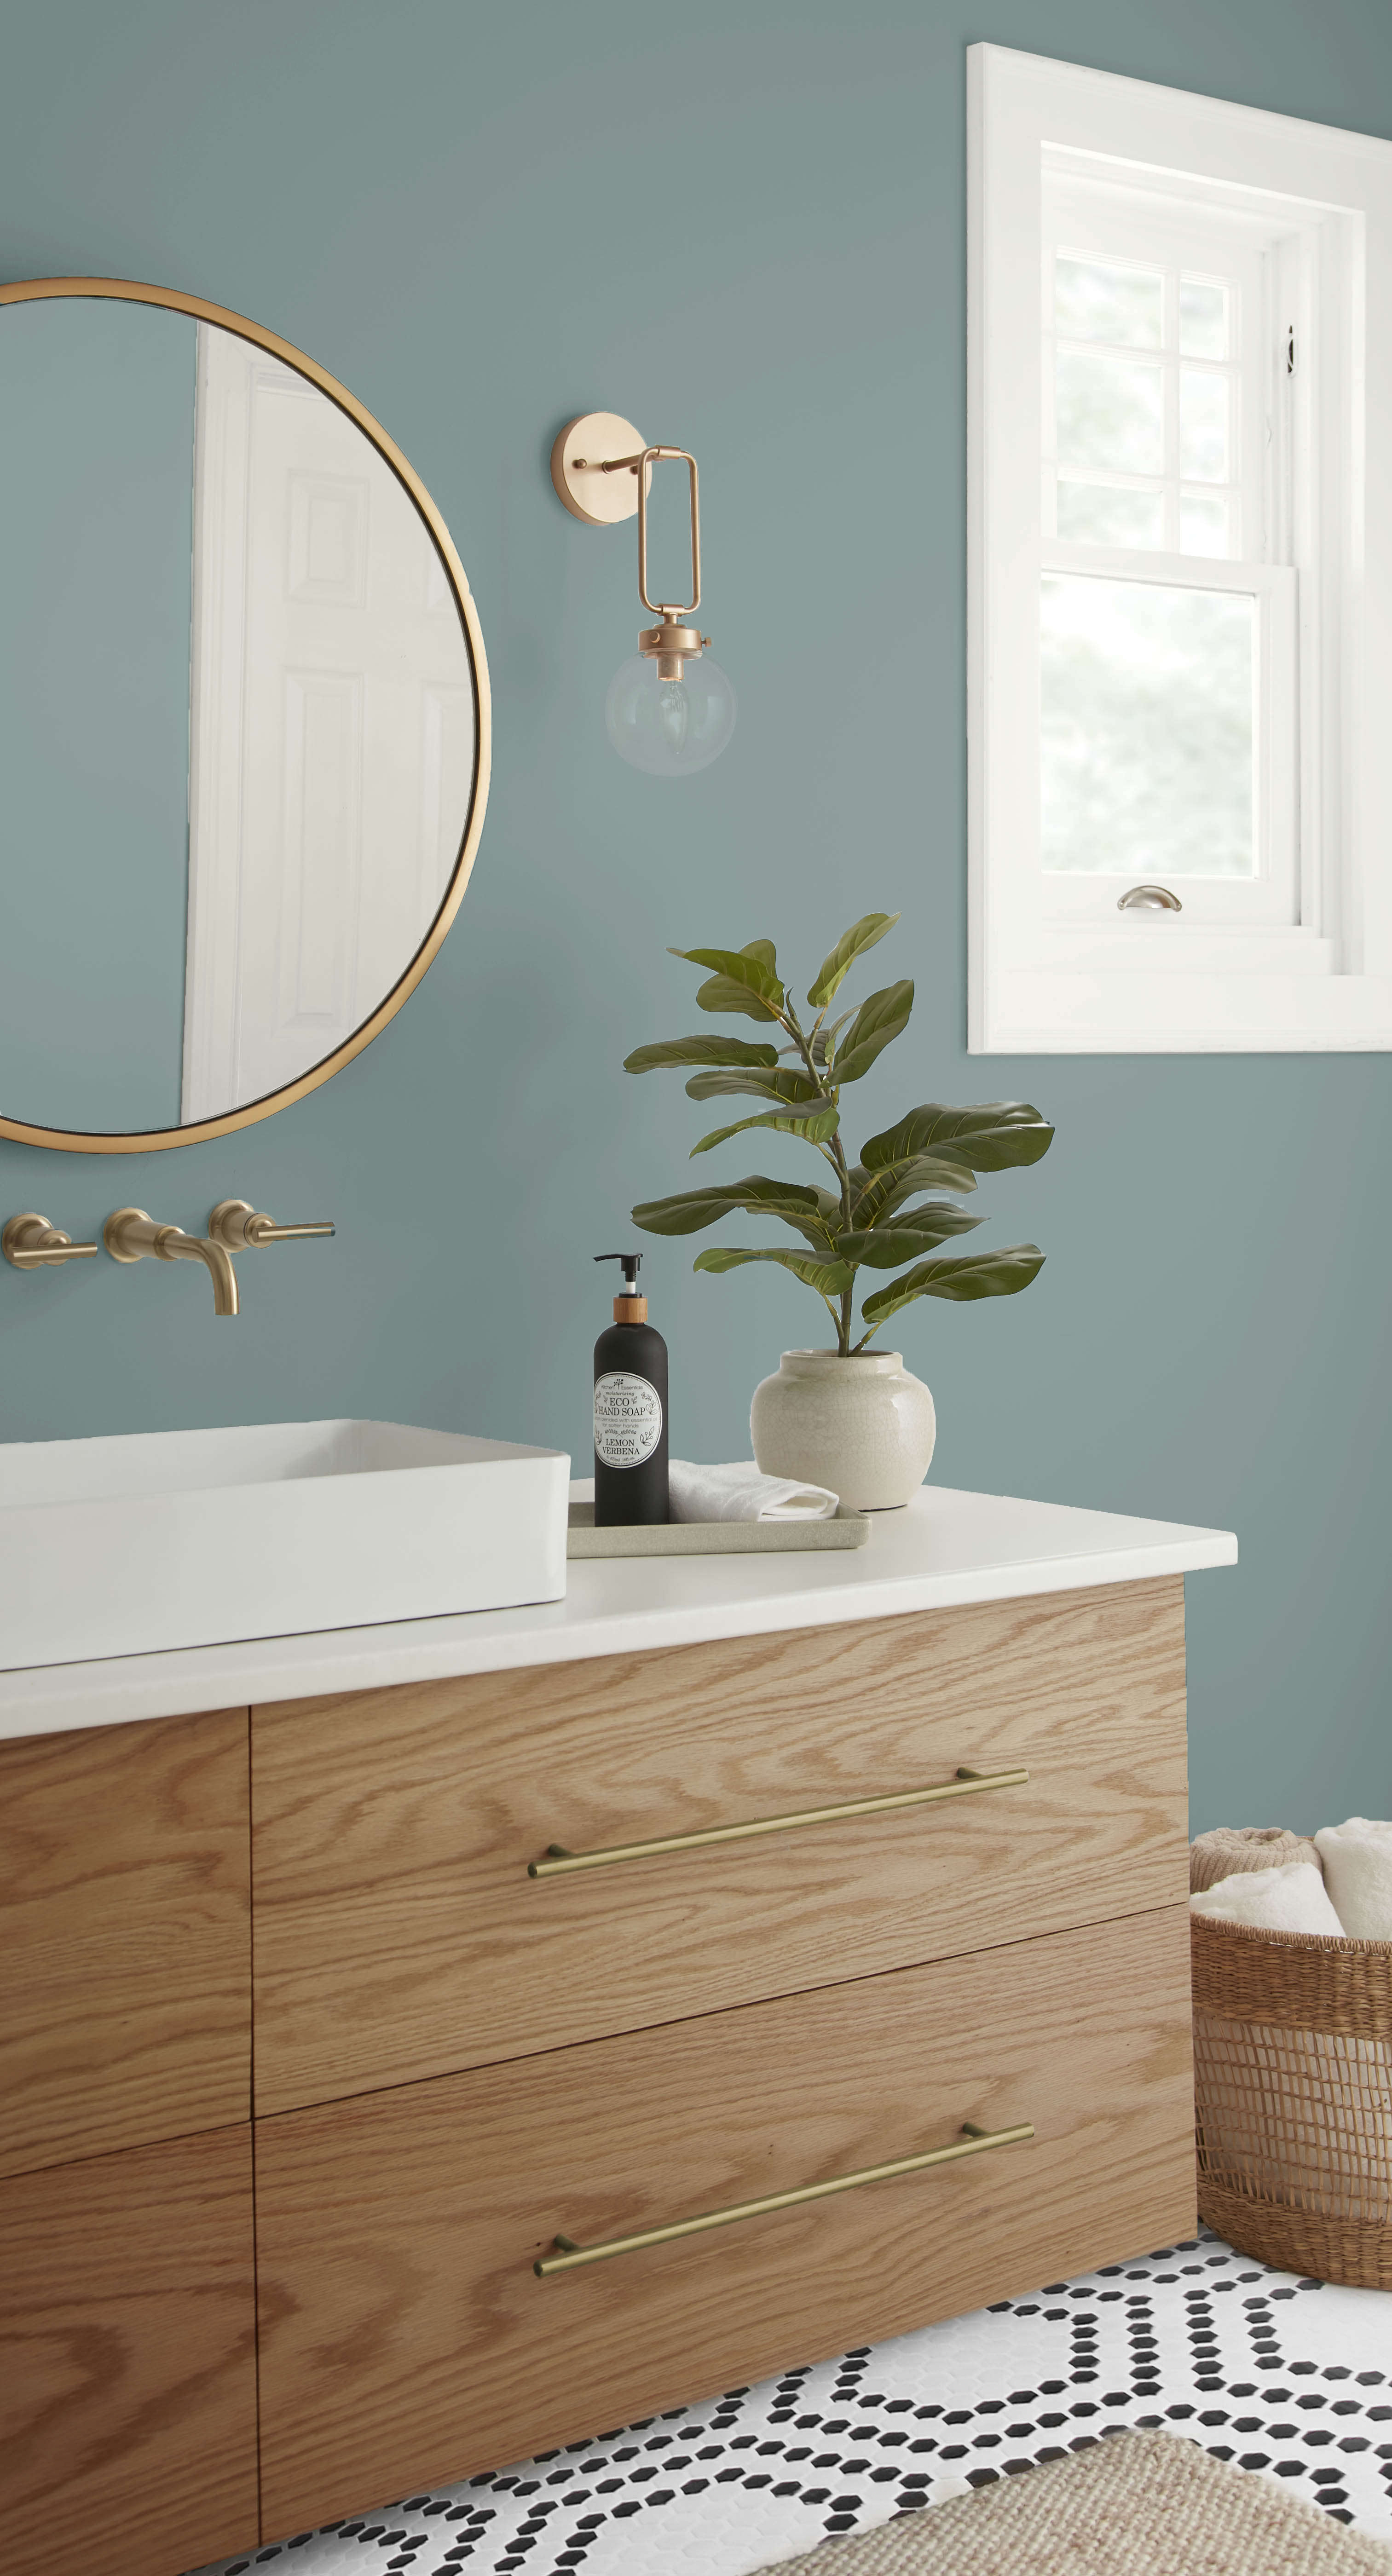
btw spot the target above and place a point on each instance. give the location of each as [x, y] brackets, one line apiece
[713, 1538]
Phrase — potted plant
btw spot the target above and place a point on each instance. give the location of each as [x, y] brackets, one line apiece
[850, 1417]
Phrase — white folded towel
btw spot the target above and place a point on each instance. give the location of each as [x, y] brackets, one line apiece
[739, 1493]
[1291, 1899]
[1357, 1859]
[1226, 1849]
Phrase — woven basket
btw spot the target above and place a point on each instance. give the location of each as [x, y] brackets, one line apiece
[1293, 2091]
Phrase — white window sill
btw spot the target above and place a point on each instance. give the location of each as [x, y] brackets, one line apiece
[1204, 1002]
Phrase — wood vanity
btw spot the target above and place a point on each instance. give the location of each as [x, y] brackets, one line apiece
[301, 2072]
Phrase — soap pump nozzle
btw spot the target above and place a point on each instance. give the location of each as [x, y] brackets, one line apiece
[630, 1306]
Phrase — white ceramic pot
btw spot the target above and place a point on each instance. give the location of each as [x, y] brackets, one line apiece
[861, 1425]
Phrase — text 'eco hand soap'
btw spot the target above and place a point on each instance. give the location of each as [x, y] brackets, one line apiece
[630, 1411]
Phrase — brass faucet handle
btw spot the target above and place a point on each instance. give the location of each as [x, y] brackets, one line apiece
[31, 1243]
[235, 1223]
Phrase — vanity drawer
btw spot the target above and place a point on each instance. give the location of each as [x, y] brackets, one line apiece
[406, 2340]
[128, 2360]
[399, 1936]
[125, 1928]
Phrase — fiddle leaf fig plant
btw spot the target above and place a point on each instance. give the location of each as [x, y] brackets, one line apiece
[880, 1213]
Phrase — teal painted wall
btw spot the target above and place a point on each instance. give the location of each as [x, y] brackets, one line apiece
[446, 203]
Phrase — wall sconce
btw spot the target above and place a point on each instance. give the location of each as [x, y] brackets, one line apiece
[670, 709]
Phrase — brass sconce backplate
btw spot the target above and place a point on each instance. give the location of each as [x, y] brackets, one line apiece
[577, 468]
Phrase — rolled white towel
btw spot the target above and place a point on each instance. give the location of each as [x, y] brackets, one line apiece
[1291, 1899]
[738, 1492]
[1357, 1859]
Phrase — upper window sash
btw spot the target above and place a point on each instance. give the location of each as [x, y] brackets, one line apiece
[1172, 348]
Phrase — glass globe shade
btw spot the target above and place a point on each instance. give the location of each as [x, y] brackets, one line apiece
[669, 727]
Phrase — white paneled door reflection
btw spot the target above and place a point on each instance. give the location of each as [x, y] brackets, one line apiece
[332, 730]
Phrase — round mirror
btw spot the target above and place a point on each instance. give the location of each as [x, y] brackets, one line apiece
[244, 720]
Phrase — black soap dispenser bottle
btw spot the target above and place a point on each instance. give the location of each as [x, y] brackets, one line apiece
[630, 1410]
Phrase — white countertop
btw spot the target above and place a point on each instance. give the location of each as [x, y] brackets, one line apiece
[946, 1548]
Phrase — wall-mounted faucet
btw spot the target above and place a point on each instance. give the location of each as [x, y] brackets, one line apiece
[233, 1226]
[130, 1235]
[31, 1243]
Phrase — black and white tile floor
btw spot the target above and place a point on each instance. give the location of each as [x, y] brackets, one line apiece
[1291, 2379]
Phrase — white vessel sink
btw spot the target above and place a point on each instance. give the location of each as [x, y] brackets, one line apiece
[193, 1538]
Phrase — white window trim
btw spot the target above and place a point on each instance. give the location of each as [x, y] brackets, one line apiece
[1142, 983]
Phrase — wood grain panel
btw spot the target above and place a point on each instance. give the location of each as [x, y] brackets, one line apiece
[406, 2340]
[125, 1932]
[127, 2360]
[398, 1936]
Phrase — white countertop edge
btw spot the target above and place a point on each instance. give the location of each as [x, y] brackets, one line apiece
[739, 1596]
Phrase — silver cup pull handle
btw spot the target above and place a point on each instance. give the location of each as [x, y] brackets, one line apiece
[1149, 898]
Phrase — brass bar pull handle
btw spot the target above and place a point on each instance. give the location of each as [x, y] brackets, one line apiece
[974, 2141]
[560, 1863]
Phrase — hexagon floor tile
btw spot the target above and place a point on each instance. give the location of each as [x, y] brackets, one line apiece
[1291, 2379]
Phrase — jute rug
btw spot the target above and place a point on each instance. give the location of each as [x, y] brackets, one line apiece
[1137, 2504]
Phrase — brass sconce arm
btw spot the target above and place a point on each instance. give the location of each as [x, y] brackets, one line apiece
[235, 1223]
[638, 465]
[130, 1235]
[31, 1243]
[671, 643]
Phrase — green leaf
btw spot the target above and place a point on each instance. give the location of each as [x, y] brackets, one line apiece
[989, 1137]
[877, 1021]
[837, 966]
[744, 979]
[873, 1194]
[721, 993]
[757, 1082]
[812, 1211]
[817, 1126]
[697, 1050]
[829, 1278]
[906, 1237]
[963, 1276]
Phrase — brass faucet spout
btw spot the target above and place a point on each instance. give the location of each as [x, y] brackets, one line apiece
[171, 1244]
[130, 1235]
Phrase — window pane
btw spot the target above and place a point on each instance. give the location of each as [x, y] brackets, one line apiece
[1203, 319]
[1147, 729]
[1203, 524]
[1203, 426]
[1107, 514]
[1110, 413]
[1093, 301]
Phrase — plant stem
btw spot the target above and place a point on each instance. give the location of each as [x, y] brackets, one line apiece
[836, 1156]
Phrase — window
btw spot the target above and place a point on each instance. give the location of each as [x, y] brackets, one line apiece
[1166, 625]
[1177, 604]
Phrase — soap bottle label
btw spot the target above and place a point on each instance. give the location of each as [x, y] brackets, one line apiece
[627, 1418]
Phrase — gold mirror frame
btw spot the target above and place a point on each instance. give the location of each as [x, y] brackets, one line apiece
[35, 290]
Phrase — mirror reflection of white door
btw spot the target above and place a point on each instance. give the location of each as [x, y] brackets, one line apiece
[332, 730]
